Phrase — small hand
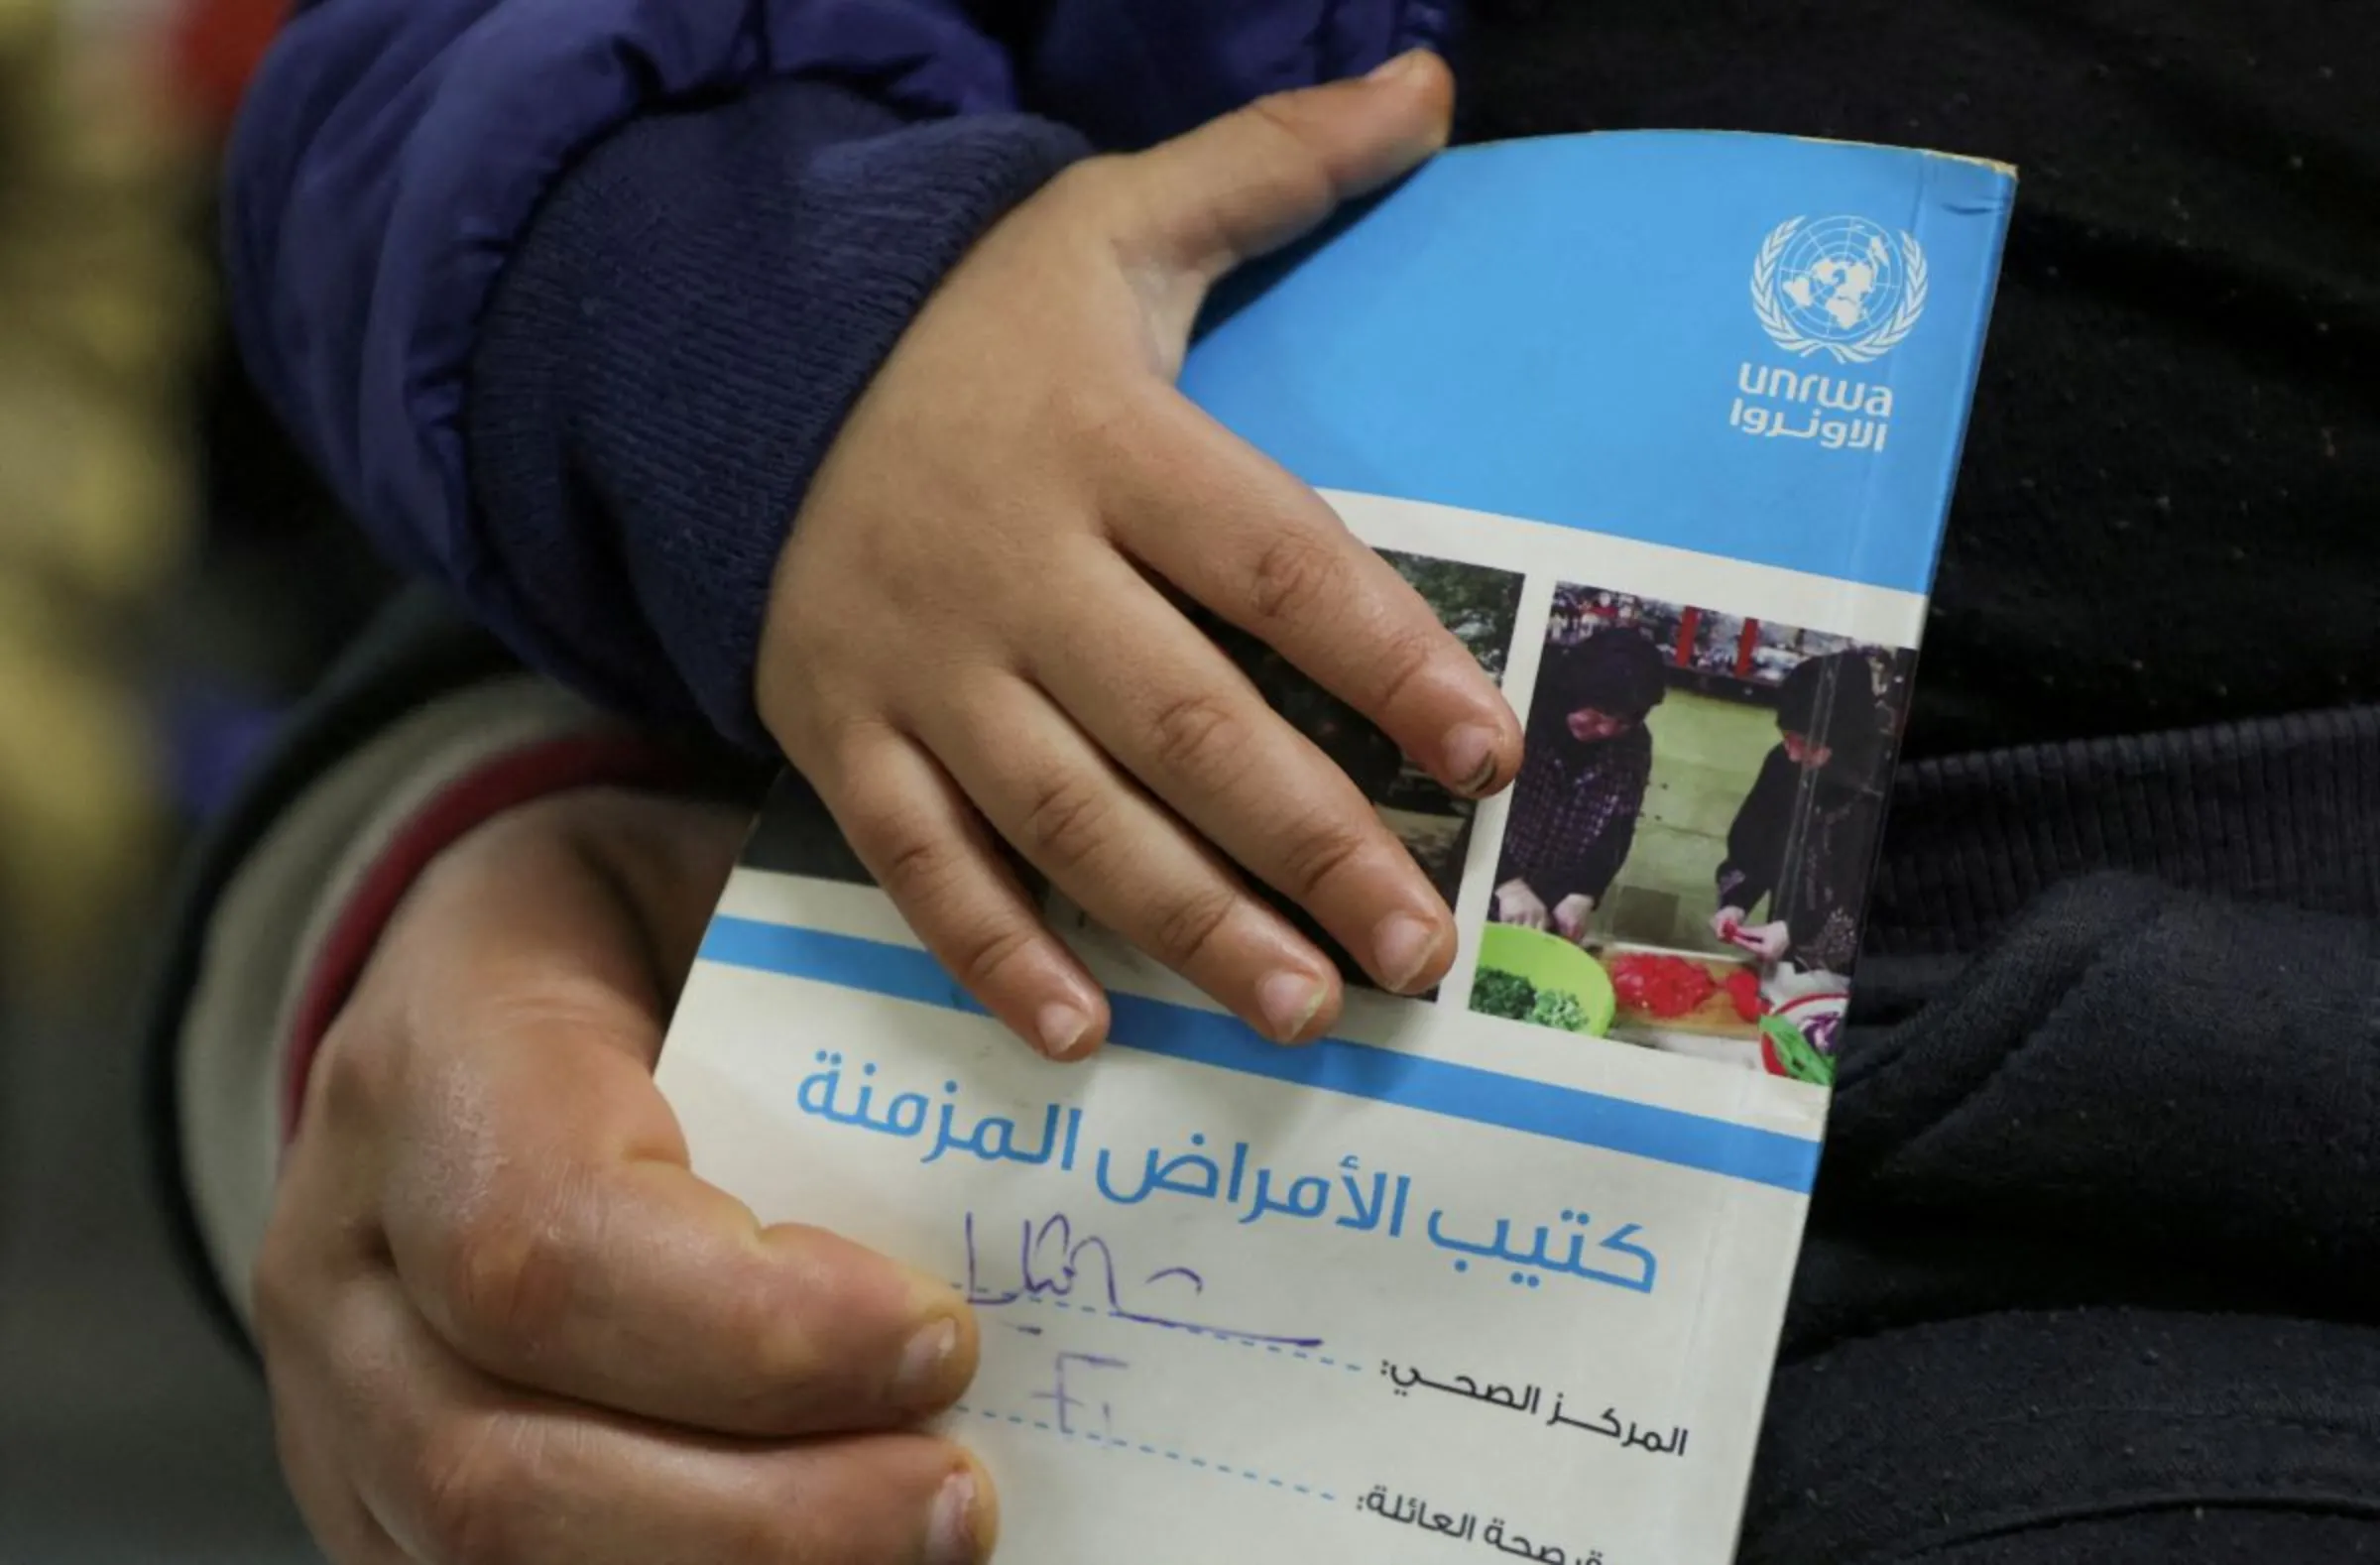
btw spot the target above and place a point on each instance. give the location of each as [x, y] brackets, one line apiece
[1769, 942]
[1517, 903]
[973, 638]
[1570, 916]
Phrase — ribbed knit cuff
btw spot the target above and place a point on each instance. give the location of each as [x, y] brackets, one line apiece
[675, 344]
[2283, 810]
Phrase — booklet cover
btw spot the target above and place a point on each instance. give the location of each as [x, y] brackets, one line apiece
[1664, 425]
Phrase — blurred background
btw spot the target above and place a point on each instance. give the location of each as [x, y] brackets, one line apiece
[169, 582]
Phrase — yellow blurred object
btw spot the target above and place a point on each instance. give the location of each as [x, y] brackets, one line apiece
[102, 307]
[78, 818]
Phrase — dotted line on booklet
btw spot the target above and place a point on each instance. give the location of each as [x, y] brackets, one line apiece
[1111, 1443]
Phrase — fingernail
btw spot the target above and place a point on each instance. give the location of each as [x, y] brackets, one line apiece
[1470, 757]
[1288, 1001]
[1063, 1029]
[1402, 66]
[922, 1379]
[952, 1536]
[1402, 946]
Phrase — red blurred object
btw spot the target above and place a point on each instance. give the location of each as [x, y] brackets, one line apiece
[1657, 984]
[1744, 987]
[215, 46]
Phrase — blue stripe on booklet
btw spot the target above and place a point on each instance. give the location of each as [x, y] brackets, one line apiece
[1356, 1070]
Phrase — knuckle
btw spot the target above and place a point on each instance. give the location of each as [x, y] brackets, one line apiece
[1293, 574]
[912, 860]
[843, 736]
[508, 1281]
[468, 1477]
[1116, 440]
[980, 954]
[1196, 735]
[1276, 163]
[1289, 153]
[1130, 430]
[1186, 926]
[919, 868]
[1317, 851]
[1066, 821]
[915, 866]
[1401, 661]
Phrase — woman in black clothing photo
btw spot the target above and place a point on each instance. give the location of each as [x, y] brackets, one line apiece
[1805, 839]
[1582, 787]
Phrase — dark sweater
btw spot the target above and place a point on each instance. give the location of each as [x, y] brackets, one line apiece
[2093, 1274]
[2164, 514]
[2166, 511]
[2093, 1271]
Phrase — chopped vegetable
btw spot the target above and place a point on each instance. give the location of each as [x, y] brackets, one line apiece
[1786, 1052]
[1658, 985]
[1501, 994]
[1744, 987]
[1555, 1009]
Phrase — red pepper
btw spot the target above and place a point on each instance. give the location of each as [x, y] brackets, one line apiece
[1660, 986]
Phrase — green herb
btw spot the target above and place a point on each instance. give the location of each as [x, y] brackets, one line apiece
[1554, 1009]
[1501, 994]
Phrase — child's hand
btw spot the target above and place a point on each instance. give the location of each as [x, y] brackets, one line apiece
[971, 635]
[1768, 941]
[505, 1325]
[1517, 903]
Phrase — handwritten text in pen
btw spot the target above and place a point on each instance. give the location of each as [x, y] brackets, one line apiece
[1055, 1262]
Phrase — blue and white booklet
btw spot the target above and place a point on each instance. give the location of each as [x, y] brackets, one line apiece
[1665, 427]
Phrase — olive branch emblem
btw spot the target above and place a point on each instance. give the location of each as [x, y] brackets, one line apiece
[1862, 350]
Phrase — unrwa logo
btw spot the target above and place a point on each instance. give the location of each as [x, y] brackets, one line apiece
[1839, 285]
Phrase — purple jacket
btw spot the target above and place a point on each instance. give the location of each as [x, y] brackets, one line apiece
[567, 298]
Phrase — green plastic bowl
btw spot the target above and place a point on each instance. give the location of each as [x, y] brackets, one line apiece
[1550, 962]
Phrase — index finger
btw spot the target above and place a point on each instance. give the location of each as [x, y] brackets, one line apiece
[1227, 525]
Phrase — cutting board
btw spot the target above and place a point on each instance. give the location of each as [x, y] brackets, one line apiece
[1715, 1017]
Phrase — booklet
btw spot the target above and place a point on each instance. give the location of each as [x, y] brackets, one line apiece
[1664, 426]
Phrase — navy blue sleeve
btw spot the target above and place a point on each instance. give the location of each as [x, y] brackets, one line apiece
[711, 219]
[389, 163]
[674, 345]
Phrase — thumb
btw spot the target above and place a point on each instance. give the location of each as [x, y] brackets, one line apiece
[1257, 178]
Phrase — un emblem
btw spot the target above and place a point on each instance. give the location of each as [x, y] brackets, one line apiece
[1841, 286]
